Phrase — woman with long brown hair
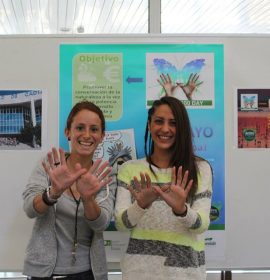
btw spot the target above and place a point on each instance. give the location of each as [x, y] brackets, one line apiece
[164, 200]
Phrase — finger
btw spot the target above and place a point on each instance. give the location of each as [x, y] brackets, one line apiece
[196, 77]
[133, 193]
[158, 190]
[199, 83]
[169, 78]
[62, 156]
[143, 184]
[55, 156]
[162, 193]
[166, 189]
[95, 166]
[137, 184]
[163, 78]
[181, 85]
[105, 182]
[188, 188]
[179, 176]
[79, 173]
[50, 159]
[185, 179]
[47, 170]
[101, 168]
[148, 180]
[160, 82]
[78, 166]
[190, 78]
[105, 173]
[173, 176]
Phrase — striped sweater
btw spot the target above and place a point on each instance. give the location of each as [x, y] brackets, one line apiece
[163, 245]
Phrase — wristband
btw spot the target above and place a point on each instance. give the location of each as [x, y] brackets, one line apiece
[52, 197]
[183, 214]
[47, 199]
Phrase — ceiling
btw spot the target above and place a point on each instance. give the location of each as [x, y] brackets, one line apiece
[133, 16]
[73, 16]
[215, 16]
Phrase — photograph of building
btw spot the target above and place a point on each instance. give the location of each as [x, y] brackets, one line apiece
[20, 119]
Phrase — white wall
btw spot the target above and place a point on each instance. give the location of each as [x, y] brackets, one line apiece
[31, 62]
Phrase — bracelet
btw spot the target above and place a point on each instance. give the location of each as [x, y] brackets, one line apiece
[47, 199]
[52, 197]
[183, 214]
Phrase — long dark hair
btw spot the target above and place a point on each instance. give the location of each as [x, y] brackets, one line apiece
[182, 150]
[85, 105]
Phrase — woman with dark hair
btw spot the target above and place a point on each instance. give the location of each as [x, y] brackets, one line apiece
[72, 202]
[164, 200]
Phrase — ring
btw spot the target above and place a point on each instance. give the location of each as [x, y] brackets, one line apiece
[56, 163]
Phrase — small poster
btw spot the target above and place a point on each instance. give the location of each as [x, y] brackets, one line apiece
[191, 74]
[253, 118]
[117, 147]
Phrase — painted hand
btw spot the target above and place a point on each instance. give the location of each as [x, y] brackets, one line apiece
[166, 83]
[191, 85]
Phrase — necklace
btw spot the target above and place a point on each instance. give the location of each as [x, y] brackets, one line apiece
[75, 240]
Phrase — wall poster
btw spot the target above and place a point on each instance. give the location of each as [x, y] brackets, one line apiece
[122, 80]
[253, 118]
[22, 119]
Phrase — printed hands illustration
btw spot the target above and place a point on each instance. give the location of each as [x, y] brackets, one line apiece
[188, 88]
[166, 83]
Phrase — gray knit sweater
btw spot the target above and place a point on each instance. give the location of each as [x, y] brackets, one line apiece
[41, 252]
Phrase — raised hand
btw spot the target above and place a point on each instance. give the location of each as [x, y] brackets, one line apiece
[60, 176]
[143, 192]
[92, 181]
[166, 83]
[176, 195]
[190, 86]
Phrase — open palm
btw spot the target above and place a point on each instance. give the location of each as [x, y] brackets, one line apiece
[89, 184]
[176, 195]
[143, 192]
[60, 175]
[190, 86]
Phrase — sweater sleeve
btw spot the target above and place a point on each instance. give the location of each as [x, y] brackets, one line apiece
[197, 219]
[37, 183]
[127, 212]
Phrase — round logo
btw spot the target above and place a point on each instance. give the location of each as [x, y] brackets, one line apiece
[249, 134]
[214, 213]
